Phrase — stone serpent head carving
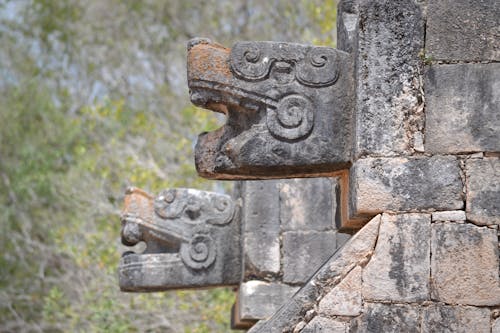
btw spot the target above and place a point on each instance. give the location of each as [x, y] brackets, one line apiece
[186, 234]
[288, 108]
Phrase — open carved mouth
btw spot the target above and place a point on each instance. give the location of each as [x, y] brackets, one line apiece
[275, 97]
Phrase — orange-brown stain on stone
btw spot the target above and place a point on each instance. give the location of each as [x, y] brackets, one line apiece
[139, 203]
[208, 62]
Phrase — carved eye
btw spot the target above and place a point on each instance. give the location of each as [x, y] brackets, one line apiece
[252, 55]
[319, 60]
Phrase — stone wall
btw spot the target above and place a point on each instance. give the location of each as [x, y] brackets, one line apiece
[288, 232]
[427, 161]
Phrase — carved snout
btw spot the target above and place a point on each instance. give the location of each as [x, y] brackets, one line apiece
[289, 108]
[191, 238]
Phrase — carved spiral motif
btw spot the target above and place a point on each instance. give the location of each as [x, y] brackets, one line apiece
[199, 253]
[319, 68]
[250, 60]
[223, 207]
[292, 119]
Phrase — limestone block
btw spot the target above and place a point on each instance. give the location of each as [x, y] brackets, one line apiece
[451, 215]
[400, 267]
[308, 204]
[355, 252]
[387, 318]
[463, 30]
[495, 328]
[455, 319]
[345, 298]
[304, 252]
[261, 228]
[465, 264]
[259, 300]
[322, 324]
[390, 36]
[483, 190]
[405, 184]
[462, 108]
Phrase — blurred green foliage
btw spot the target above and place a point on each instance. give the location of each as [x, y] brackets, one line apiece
[92, 100]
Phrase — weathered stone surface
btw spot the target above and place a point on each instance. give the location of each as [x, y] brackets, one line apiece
[308, 204]
[261, 228]
[462, 108]
[455, 319]
[483, 190]
[260, 300]
[405, 184]
[304, 252]
[495, 327]
[192, 239]
[321, 324]
[390, 35]
[345, 298]
[450, 215]
[463, 30]
[387, 318]
[465, 264]
[289, 108]
[355, 252]
[400, 267]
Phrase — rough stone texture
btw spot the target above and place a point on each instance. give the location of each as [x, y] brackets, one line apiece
[400, 267]
[192, 240]
[260, 300]
[462, 108]
[463, 30]
[495, 327]
[387, 318]
[455, 319]
[390, 36]
[289, 108]
[452, 215]
[321, 324]
[308, 204]
[483, 190]
[465, 264]
[355, 252]
[405, 184]
[261, 228]
[345, 298]
[304, 252]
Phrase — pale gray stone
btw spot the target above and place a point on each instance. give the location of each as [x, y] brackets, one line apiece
[495, 328]
[387, 318]
[463, 30]
[455, 319]
[261, 228]
[342, 238]
[465, 264]
[260, 300]
[405, 184]
[355, 252]
[483, 190]
[345, 298]
[308, 204]
[324, 325]
[450, 215]
[304, 252]
[400, 267]
[462, 108]
[389, 37]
